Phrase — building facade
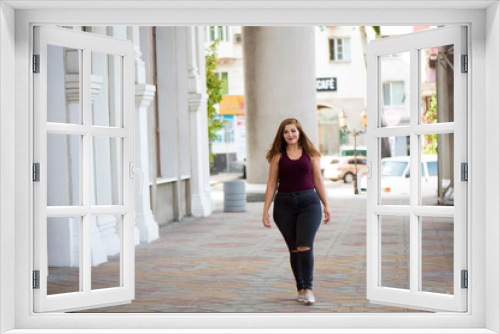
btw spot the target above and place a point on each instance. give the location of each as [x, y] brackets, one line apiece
[170, 138]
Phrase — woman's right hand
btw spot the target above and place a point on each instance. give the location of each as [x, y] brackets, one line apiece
[265, 220]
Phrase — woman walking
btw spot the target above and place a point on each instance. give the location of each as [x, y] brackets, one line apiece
[295, 172]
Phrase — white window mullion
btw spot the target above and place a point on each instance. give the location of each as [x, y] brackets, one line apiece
[86, 251]
[460, 155]
[75, 129]
[128, 266]
[392, 131]
[40, 156]
[434, 129]
[74, 211]
[373, 225]
[414, 172]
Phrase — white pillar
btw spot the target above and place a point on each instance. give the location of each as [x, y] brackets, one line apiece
[280, 83]
[144, 94]
[201, 204]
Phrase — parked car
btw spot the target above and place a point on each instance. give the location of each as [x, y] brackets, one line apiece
[348, 151]
[395, 176]
[326, 160]
[343, 168]
[345, 151]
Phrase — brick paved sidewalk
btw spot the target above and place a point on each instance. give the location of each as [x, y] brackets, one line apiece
[229, 263]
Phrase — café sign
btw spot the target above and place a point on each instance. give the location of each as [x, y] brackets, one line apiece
[326, 84]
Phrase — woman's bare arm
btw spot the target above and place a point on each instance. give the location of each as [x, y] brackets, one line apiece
[272, 184]
[320, 186]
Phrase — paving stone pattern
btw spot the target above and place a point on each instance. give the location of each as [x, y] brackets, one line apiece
[229, 263]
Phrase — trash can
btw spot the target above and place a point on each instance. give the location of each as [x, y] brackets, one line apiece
[235, 197]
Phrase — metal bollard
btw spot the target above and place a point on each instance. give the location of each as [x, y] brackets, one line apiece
[234, 196]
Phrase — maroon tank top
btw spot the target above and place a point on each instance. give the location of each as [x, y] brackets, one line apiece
[295, 175]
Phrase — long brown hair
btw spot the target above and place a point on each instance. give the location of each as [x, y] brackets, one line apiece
[279, 143]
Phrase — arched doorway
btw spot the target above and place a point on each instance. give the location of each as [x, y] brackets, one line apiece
[328, 129]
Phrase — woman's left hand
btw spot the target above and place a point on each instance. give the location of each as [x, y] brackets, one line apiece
[326, 212]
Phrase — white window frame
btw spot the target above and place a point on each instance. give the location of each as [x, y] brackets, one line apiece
[415, 210]
[390, 105]
[226, 34]
[87, 44]
[483, 314]
[334, 50]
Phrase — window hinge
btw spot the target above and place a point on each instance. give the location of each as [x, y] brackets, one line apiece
[465, 64]
[36, 279]
[464, 171]
[36, 63]
[465, 279]
[36, 172]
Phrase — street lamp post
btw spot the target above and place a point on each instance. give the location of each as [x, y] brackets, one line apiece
[345, 129]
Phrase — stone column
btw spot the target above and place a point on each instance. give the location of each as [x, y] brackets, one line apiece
[280, 82]
[103, 189]
[144, 94]
[201, 204]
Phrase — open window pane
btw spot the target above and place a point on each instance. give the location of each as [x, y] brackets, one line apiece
[437, 84]
[63, 170]
[438, 146]
[437, 176]
[106, 90]
[106, 269]
[63, 254]
[106, 170]
[395, 170]
[80, 166]
[395, 251]
[437, 254]
[395, 92]
[63, 85]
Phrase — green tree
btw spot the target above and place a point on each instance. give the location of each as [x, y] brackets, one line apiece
[214, 91]
[430, 117]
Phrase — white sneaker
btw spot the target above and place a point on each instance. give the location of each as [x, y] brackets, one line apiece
[308, 299]
[301, 298]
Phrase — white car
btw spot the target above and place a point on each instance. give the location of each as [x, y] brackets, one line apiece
[395, 176]
[326, 160]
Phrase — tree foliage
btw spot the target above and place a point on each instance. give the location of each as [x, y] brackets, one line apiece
[214, 91]
[430, 117]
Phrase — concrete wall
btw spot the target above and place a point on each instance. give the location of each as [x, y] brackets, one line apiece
[165, 212]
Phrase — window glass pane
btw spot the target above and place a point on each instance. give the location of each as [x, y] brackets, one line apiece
[106, 269]
[106, 89]
[221, 33]
[106, 170]
[437, 181]
[63, 170]
[394, 103]
[332, 49]
[395, 251]
[63, 255]
[224, 83]
[437, 254]
[387, 94]
[437, 84]
[63, 85]
[347, 49]
[432, 168]
[340, 49]
[397, 94]
[212, 33]
[395, 170]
